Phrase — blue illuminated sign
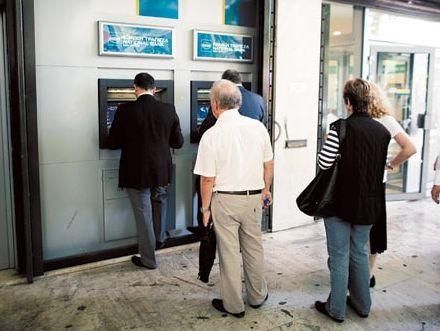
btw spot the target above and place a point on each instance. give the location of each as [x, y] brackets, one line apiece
[135, 40]
[240, 12]
[158, 8]
[217, 46]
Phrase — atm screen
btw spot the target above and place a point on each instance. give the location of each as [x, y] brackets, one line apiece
[202, 112]
[116, 96]
[111, 110]
[203, 105]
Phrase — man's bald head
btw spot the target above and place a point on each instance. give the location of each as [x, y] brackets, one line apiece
[225, 95]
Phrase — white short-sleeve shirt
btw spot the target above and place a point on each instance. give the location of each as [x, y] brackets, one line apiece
[234, 151]
[393, 127]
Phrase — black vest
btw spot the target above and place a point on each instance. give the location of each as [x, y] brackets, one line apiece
[360, 189]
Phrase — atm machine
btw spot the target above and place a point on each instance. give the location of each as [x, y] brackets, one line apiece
[119, 223]
[200, 104]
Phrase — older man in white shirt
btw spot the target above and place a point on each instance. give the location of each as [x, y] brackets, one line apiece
[236, 168]
[435, 192]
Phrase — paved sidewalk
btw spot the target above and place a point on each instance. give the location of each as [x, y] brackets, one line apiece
[115, 295]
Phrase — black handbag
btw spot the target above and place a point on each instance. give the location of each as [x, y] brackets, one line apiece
[319, 197]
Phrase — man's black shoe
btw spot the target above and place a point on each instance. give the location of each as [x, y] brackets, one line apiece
[350, 304]
[320, 306]
[160, 244]
[373, 281]
[218, 304]
[258, 306]
[137, 262]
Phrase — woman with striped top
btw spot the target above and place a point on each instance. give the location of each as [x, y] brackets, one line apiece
[329, 151]
[360, 200]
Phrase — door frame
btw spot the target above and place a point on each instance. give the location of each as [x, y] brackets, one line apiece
[20, 44]
[372, 61]
[5, 149]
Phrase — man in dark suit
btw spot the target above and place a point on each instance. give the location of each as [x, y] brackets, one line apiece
[252, 104]
[145, 130]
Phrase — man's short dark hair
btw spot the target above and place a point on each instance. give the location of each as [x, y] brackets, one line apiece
[232, 75]
[144, 81]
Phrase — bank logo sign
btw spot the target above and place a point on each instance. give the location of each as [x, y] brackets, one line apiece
[135, 40]
[216, 46]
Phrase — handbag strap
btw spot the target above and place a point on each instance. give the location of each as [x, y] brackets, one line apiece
[342, 129]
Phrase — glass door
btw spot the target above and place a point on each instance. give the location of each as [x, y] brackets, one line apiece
[403, 74]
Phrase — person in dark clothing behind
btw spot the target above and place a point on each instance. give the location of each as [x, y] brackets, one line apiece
[360, 201]
[145, 130]
[252, 106]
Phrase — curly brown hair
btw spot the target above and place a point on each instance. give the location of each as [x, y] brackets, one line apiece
[379, 105]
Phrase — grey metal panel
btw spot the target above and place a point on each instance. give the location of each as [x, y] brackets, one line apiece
[73, 210]
[110, 178]
[119, 220]
[69, 208]
[67, 114]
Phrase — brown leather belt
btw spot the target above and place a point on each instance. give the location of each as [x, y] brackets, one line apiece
[250, 192]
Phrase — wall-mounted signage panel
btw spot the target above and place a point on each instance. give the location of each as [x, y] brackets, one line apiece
[240, 12]
[158, 8]
[135, 40]
[216, 46]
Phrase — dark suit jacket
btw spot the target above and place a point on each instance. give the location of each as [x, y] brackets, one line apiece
[145, 130]
[252, 106]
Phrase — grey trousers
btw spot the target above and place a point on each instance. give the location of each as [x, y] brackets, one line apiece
[237, 225]
[141, 203]
[159, 200]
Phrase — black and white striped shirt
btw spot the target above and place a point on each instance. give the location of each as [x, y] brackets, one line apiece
[328, 153]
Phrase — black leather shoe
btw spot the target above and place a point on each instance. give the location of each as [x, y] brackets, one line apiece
[373, 281]
[136, 260]
[160, 244]
[258, 306]
[350, 304]
[218, 304]
[320, 306]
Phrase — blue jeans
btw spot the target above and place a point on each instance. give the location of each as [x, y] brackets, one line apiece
[347, 246]
[141, 203]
